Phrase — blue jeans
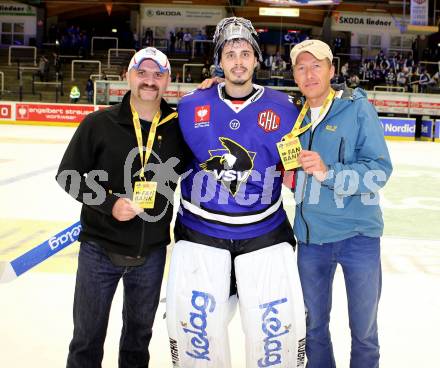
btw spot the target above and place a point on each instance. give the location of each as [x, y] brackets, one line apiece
[96, 282]
[359, 258]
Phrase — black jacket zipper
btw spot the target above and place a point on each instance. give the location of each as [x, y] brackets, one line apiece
[141, 245]
[341, 152]
[142, 239]
[304, 193]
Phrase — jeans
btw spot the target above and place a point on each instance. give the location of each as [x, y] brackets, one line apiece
[96, 282]
[359, 258]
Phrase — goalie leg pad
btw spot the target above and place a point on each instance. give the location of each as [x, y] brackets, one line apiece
[271, 307]
[198, 307]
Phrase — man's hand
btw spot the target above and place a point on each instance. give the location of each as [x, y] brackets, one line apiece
[312, 163]
[125, 210]
[208, 83]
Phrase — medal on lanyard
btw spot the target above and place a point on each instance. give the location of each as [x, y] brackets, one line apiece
[290, 146]
[144, 192]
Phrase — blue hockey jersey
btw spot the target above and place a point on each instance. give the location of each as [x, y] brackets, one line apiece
[234, 188]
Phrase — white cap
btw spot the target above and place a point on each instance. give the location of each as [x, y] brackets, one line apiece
[150, 53]
[317, 48]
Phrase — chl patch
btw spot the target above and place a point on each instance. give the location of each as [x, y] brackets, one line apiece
[269, 121]
[202, 116]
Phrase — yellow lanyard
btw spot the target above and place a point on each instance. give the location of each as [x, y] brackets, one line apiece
[150, 140]
[296, 131]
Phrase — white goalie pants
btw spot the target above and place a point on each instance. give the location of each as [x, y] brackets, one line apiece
[199, 306]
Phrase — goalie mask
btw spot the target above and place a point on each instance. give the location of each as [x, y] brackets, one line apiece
[235, 28]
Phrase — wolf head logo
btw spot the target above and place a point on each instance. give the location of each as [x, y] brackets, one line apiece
[230, 165]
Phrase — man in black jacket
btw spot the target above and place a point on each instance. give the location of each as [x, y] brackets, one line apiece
[123, 164]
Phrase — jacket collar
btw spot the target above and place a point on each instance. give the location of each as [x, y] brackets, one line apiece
[126, 117]
[344, 97]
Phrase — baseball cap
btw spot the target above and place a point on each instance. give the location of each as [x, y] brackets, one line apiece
[153, 54]
[317, 48]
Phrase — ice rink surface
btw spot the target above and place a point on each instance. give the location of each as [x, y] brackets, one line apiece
[36, 308]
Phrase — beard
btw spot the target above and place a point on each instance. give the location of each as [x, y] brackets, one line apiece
[239, 82]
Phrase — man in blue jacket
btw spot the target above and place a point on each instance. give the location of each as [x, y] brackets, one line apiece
[345, 161]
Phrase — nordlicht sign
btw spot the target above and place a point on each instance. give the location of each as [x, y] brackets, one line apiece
[399, 128]
[183, 15]
[17, 9]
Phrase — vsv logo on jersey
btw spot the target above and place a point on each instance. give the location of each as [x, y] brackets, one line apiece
[202, 302]
[202, 116]
[271, 327]
[231, 165]
[268, 120]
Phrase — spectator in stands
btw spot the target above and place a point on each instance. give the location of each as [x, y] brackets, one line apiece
[214, 70]
[89, 90]
[393, 61]
[337, 45]
[188, 77]
[435, 55]
[353, 81]
[344, 71]
[400, 64]
[43, 69]
[135, 36]
[436, 80]
[207, 64]
[64, 44]
[205, 73]
[199, 45]
[179, 37]
[123, 73]
[84, 44]
[378, 76]
[278, 64]
[267, 61]
[148, 38]
[369, 75]
[187, 39]
[424, 81]
[426, 54]
[413, 80]
[177, 78]
[402, 79]
[338, 78]
[172, 41]
[409, 63]
[75, 94]
[380, 57]
[56, 62]
[120, 240]
[390, 78]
